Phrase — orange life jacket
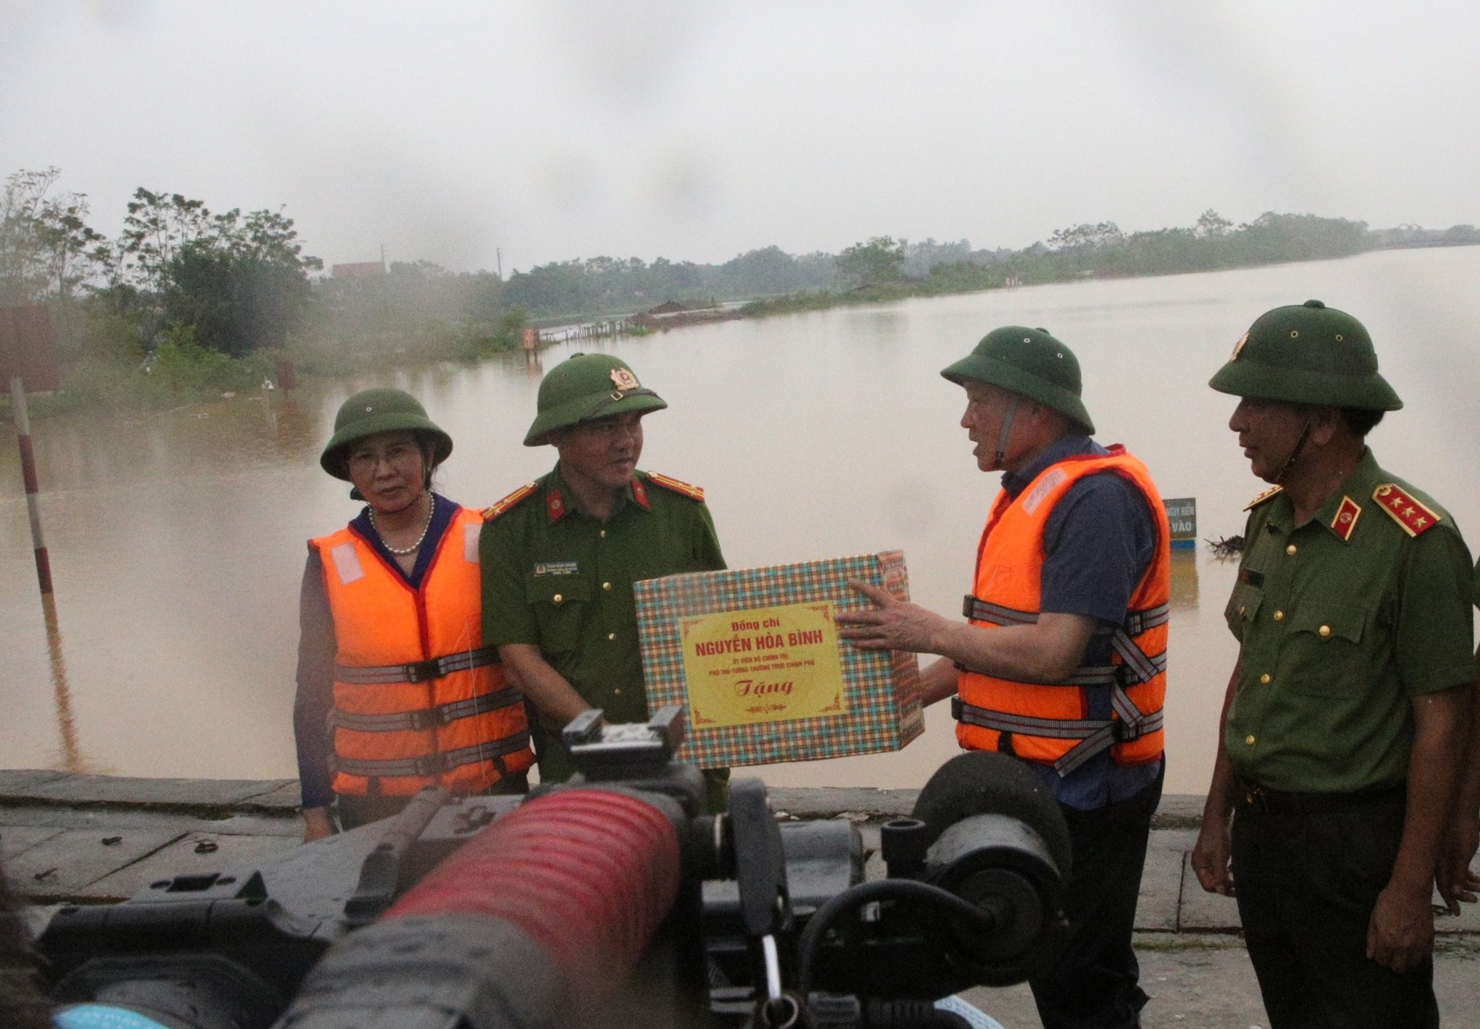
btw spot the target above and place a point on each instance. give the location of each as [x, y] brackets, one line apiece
[1050, 722]
[418, 700]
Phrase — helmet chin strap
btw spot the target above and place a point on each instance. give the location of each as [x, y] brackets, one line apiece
[1299, 446]
[1012, 406]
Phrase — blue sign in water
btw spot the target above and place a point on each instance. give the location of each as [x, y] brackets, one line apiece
[1182, 515]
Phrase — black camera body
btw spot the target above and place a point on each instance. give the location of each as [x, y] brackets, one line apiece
[609, 899]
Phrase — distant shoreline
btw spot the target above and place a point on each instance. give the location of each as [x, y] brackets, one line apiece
[908, 289]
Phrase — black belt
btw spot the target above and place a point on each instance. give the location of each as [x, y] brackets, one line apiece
[1283, 802]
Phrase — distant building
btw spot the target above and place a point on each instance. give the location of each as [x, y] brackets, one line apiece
[361, 270]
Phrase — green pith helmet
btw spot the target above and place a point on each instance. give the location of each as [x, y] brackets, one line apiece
[379, 410]
[587, 387]
[1030, 362]
[1307, 354]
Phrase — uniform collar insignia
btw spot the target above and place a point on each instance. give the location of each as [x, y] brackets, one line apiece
[554, 506]
[1345, 521]
[639, 491]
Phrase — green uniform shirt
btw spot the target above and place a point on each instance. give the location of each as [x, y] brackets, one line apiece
[1337, 635]
[557, 578]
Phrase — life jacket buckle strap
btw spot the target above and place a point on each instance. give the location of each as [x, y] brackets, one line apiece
[1137, 622]
[1094, 735]
[423, 671]
[430, 765]
[427, 717]
[416, 671]
[979, 610]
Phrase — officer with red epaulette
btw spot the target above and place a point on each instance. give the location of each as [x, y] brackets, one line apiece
[1062, 661]
[1343, 722]
[560, 555]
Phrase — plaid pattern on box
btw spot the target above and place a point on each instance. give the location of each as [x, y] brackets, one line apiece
[882, 688]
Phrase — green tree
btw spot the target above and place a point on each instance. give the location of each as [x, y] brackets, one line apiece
[873, 263]
[45, 241]
[1081, 238]
[1211, 224]
[241, 284]
[157, 227]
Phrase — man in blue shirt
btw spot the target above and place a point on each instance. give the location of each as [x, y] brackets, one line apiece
[1072, 583]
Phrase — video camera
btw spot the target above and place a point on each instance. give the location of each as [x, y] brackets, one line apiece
[608, 900]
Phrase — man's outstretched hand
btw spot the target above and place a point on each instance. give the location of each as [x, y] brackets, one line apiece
[893, 625]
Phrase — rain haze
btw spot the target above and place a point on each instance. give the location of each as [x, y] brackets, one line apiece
[697, 131]
[509, 137]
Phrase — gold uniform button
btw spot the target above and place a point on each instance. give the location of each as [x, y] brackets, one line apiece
[1264, 678]
[1249, 739]
[611, 635]
[1291, 549]
[557, 598]
[1324, 630]
[606, 585]
[616, 691]
[602, 534]
[1279, 616]
[1242, 609]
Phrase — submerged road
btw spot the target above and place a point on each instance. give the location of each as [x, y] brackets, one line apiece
[94, 839]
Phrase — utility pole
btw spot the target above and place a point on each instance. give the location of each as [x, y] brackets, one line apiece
[383, 266]
[499, 256]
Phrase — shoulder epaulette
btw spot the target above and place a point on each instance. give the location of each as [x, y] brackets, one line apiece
[1406, 509]
[677, 486]
[511, 501]
[1268, 494]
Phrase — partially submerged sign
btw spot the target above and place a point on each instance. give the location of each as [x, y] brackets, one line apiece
[1182, 516]
[28, 348]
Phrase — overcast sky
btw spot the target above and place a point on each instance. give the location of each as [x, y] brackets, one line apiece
[698, 130]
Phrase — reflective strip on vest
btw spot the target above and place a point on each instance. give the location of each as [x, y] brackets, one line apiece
[417, 671]
[1096, 735]
[1145, 667]
[1136, 622]
[431, 764]
[426, 718]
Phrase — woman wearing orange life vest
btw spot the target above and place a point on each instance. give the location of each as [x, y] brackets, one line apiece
[395, 688]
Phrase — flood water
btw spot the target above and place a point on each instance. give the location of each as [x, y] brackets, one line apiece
[177, 539]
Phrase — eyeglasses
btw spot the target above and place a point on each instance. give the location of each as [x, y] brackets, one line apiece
[365, 460]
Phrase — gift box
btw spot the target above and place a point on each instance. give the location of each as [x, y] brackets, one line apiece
[754, 656]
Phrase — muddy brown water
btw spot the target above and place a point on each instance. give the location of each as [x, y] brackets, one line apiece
[177, 539]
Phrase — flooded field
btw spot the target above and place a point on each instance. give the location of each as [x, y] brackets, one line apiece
[177, 539]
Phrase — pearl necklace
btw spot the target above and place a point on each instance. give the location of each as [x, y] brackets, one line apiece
[403, 552]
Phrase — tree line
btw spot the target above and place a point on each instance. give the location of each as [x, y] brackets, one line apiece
[182, 289]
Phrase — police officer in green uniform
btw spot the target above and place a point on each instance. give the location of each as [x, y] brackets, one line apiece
[1343, 725]
[560, 555]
